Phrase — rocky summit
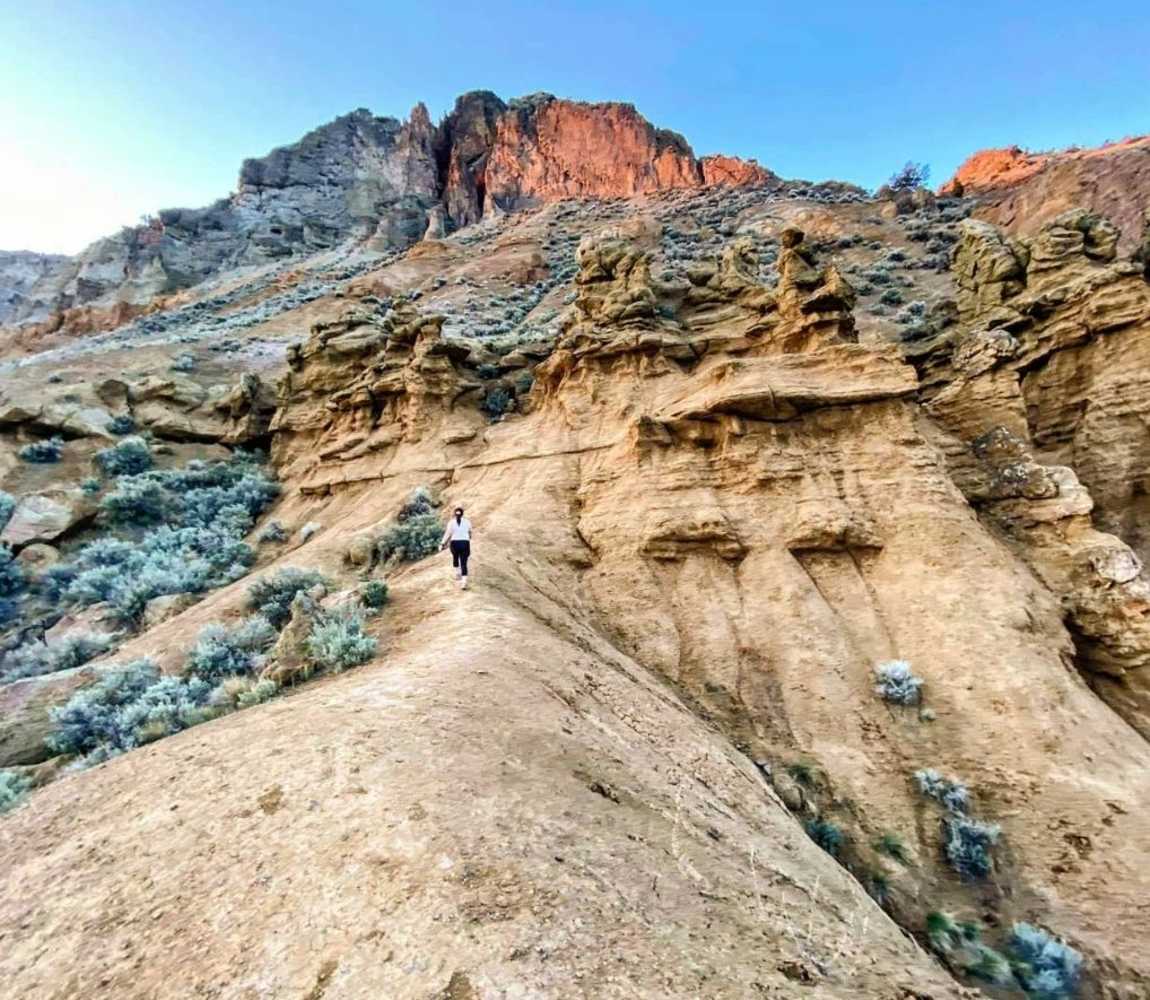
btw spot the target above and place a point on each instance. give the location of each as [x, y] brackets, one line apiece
[806, 647]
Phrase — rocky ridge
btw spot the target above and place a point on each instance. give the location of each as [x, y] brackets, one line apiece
[371, 180]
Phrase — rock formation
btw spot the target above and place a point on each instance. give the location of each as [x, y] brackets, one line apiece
[644, 754]
[1046, 393]
[1021, 191]
[362, 177]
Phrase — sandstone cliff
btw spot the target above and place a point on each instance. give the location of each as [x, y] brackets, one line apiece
[1021, 191]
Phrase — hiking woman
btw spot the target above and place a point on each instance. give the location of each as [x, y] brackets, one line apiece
[458, 534]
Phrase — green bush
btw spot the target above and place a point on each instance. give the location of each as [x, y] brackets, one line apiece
[826, 834]
[13, 787]
[337, 641]
[418, 503]
[893, 847]
[413, 539]
[137, 501]
[36, 659]
[271, 596]
[374, 594]
[220, 652]
[803, 773]
[1047, 968]
[273, 531]
[897, 684]
[128, 707]
[257, 693]
[7, 505]
[90, 719]
[891, 297]
[43, 452]
[968, 845]
[121, 424]
[950, 792]
[497, 402]
[128, 457]
[201, 513]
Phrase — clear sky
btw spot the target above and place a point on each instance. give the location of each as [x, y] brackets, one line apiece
[111, 109]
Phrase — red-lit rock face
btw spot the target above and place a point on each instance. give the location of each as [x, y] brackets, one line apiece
[1022, 191]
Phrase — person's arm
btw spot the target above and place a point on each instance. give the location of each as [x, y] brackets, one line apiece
[446, 535]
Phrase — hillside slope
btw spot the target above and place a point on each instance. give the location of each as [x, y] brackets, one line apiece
[717, 480]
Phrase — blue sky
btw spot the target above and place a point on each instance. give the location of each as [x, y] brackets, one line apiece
[112, 109]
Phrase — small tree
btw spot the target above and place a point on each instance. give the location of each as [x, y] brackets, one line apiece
[910, 177]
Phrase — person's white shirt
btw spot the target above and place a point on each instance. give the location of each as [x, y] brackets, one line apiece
[457, 530]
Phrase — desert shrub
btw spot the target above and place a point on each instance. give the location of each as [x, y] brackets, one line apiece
[968, 844]
[125, 458]
[309, 530]
[90, 718]
[891, 297]
[183, 363]
[497, 402]
[13, 787]
[946, 933]
[950, 792]
[803, 773]
[826, 834]
[11, 573]
[7, 505]
[127, 708]
[120, 424]
[418, 503]
[487, 372]
[892, 846]
[136, 501]
[91, 486]
[170, 705]
[273, 531]
[523, 383]
[413, 539]
[897, 683]
[201, 513]
[220, 652]
[373, 595]
[43, 452]
[911, 176]
[1047, 968]
[271, 596]
[165, 561]
[35, 659]
[337, 641]
[256, 693]
[959, 942]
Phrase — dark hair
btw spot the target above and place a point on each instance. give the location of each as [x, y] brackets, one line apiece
[458, 510]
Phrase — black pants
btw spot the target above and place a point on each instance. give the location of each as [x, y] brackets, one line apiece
[460, 551]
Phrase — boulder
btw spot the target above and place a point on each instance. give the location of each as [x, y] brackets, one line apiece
[44, 517]
[25, 720]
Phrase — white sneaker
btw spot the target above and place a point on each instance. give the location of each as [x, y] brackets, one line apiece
[463, 584]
